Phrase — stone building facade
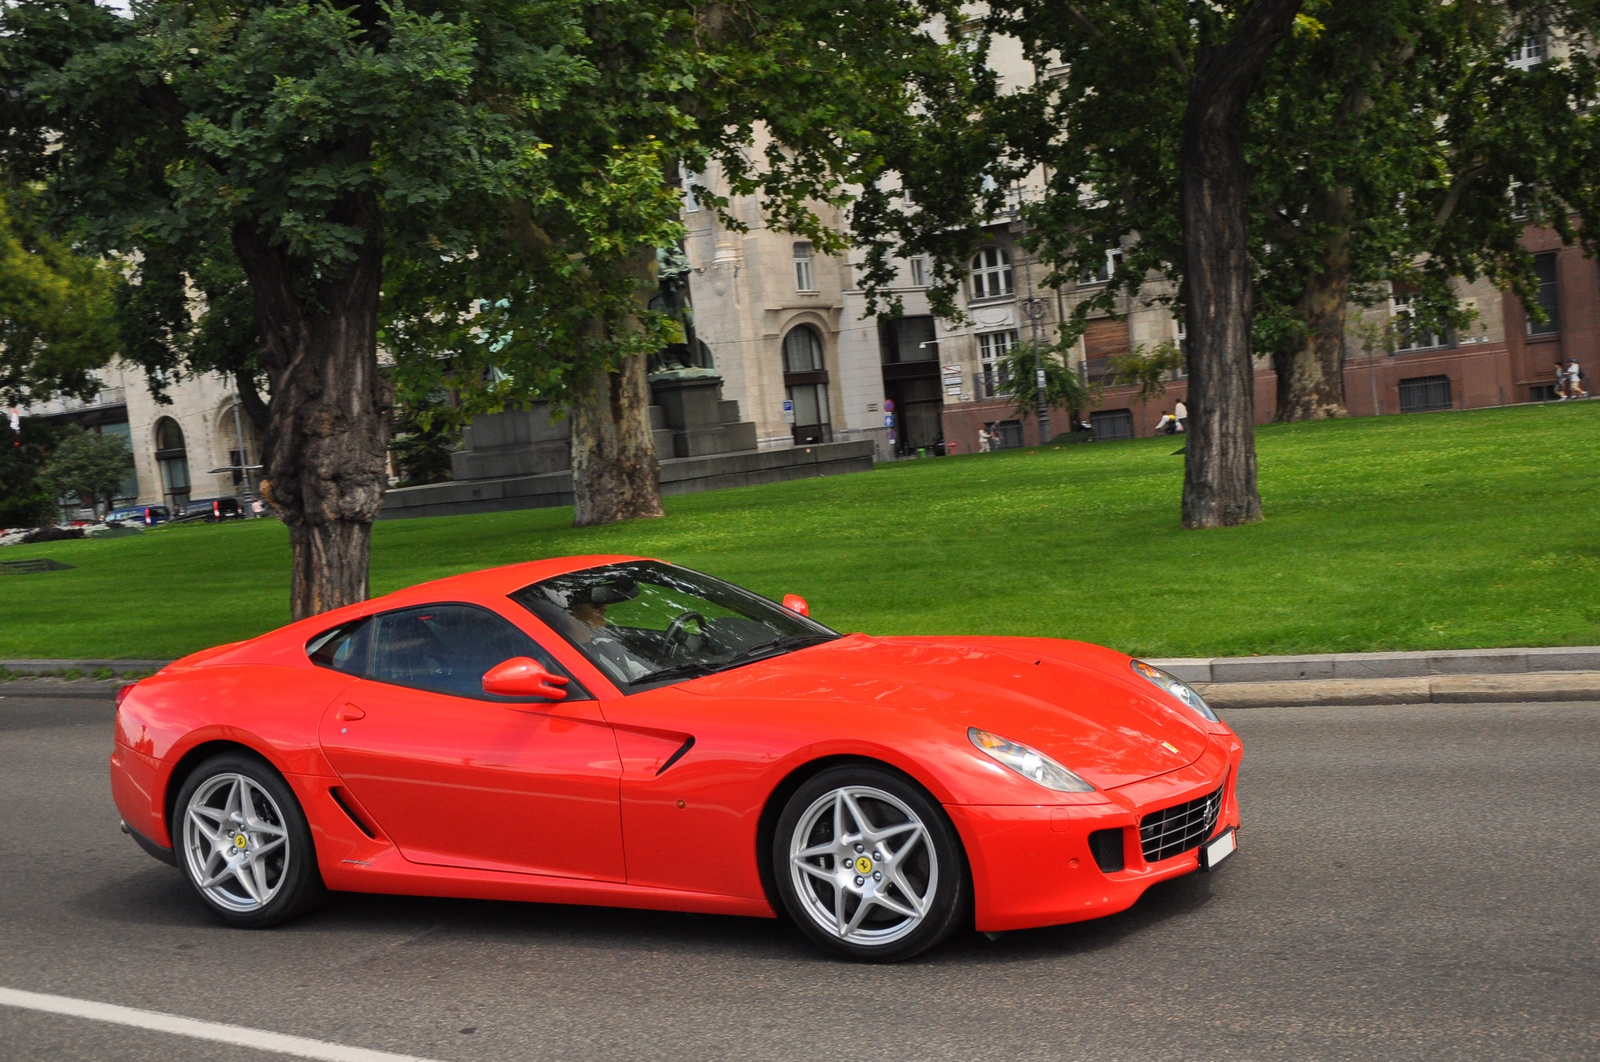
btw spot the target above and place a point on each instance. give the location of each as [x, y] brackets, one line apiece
[174, 445]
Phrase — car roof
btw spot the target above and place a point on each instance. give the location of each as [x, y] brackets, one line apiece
[494, 582]
[287, 643]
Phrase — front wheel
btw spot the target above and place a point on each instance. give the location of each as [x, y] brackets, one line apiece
[868, 865]
[244, 843]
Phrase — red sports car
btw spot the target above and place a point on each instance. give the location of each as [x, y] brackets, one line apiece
[626, 732]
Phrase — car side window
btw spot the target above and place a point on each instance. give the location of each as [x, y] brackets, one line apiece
[344, 648]
[447, 648]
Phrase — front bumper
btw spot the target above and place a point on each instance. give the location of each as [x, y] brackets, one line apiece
[1033, 866]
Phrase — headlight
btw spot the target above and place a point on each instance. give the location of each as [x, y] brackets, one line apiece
[1175, 686]
[1032, 764]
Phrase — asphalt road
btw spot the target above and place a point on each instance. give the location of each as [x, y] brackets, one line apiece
[1412, 883]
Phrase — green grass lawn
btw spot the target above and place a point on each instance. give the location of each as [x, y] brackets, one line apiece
[1451, 530]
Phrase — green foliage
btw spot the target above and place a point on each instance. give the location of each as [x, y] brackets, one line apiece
[1509, 560]
[1149, 367]
[25, 500]
[1063, 387]
[1404, 125]
[799, 105]
[57, 308]
[88, 464]
[427, 430]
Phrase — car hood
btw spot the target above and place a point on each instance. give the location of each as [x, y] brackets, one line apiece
[1109, 730]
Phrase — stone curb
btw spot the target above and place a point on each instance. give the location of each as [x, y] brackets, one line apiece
[64, 689]
[1434, 689]
[35, 667]
[1239, 669]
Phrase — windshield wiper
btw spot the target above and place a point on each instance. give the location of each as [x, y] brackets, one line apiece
[782, 643]
[687, 670]
[693, 669]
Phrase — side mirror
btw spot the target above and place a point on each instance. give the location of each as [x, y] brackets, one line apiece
[796, 603]
[523, 676]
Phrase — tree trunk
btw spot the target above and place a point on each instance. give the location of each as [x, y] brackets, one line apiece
[1311, 376]
[325, 450]
[1219, 481]
[615, 473]
[614, 467]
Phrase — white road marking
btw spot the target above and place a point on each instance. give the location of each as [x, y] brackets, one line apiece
[238, 1035]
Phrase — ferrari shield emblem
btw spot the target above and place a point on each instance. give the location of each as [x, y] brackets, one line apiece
[863, 866]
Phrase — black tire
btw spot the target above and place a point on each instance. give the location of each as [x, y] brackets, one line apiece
[288, 871]
[925, 875]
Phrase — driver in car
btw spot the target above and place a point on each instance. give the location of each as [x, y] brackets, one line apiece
[588, 606]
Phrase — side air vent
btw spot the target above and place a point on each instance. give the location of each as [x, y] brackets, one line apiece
[1107, 848]
[341, 798]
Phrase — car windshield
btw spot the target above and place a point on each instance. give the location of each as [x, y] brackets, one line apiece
[644, 623]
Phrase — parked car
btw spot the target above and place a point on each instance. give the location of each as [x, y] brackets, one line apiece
[620, 731]
[213, 509]
[145, 515]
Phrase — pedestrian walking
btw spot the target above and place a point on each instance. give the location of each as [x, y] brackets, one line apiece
[1181, 412]
[985, 440]
[1574, 377]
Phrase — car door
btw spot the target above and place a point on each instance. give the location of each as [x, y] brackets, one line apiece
[456, 777]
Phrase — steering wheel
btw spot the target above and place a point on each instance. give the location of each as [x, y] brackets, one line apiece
[676, 636]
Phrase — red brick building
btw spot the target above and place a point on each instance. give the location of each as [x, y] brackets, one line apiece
[1503, 358]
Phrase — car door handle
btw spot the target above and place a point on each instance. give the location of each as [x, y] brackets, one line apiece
[349, 713]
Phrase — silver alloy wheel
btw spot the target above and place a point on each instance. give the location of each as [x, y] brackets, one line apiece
[863, 865]
[236, 841]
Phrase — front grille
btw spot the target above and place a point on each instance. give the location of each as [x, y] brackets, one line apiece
[1170, 831]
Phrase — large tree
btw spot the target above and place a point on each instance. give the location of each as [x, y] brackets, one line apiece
[806, 105]
[317, 141]
[1392, 138]
[1138, 120]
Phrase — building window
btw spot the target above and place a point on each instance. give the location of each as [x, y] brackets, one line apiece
[1528, 52]
[1007, 435]
[688, 180]
[919, 272]
[1113, 263]
[1421, 394]
[991, 274]
[803, 278]
[1549, 297]
[805, 382]
[172, 457]
[1112, 424]
[994, 372]
[1408, 335]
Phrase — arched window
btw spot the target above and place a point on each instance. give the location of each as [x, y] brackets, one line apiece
[991, 274]
[173, 458]
[802, 350]
[805, 381]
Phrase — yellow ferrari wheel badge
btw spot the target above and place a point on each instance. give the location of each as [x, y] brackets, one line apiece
[863, 866]
[240, 840]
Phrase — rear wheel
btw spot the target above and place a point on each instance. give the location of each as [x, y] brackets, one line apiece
[868, 865]
[244, 844]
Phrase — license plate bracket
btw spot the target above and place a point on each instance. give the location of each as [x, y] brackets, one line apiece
[1218, 848]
